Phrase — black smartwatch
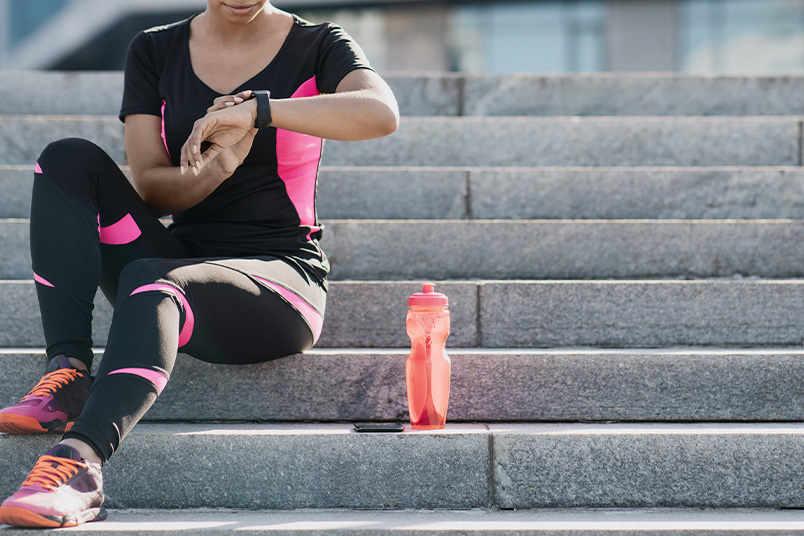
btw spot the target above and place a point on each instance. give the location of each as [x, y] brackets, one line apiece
[263, 108]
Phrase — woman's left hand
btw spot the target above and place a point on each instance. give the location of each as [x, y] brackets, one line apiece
[224, 126]
[224, 102]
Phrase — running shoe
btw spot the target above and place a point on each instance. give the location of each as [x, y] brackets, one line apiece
[52, 404]
[62, 490]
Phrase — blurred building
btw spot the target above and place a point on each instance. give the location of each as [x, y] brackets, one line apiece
[544, 36]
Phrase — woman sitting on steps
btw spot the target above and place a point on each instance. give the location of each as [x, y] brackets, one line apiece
[237, 278]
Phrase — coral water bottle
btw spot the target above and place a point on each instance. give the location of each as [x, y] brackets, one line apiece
[427, 367]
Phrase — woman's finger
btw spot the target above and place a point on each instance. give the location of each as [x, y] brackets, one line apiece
[189, 151]
[207, 157]
[224, 102]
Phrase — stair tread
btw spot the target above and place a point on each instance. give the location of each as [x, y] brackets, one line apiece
[546, 522]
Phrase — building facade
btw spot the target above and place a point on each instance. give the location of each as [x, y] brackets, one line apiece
[541, 36]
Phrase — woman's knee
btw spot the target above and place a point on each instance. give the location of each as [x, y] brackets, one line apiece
[70, 154]
[143, 272]
[69, 149]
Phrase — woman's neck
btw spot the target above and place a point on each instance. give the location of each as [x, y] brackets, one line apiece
[219, 25]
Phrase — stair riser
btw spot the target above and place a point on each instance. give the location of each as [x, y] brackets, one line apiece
[641, 313]
[465, 466]
[527, 193]
[476, 94]
[223, 468]
[579, 142]
[580, 249]
[485, 386]
[632, 94]
[492, 141]
[642, 465]
[627, 314]
[389, 250]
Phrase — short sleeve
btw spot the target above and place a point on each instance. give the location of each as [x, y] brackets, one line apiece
[141, 79]
[339, 55]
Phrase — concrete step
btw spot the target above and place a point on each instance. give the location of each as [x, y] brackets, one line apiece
[487, 385]
[523, 314]
[452, 94]
[527, 193]
[518, 466]
[473, 141]
[481, 522]
[671, 94]
[565, 249]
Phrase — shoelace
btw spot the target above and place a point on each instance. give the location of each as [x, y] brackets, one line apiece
[51, 472]
[52, 381]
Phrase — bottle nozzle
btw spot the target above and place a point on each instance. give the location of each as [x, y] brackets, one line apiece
[428, 297]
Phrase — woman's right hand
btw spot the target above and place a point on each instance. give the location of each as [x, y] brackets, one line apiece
[230, 158]
[227, 128]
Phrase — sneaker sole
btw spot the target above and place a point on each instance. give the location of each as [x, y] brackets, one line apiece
[20, 517]
[20, 424]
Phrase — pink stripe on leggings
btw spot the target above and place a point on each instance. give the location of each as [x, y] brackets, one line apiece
[41, 280]
[125, 231]
[312, 316]
[189, 320]
[157, 378]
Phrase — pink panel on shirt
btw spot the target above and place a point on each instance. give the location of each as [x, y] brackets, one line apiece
[297, 157]
[164, 138]
[124, 231]
[313, 317]
[38, 169]
[157, 378]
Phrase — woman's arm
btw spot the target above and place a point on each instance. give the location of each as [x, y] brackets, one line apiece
[362, 107]
[164, 187]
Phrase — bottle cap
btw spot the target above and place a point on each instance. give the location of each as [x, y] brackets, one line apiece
[428, 296]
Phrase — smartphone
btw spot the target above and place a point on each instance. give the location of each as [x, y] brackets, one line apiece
[379, 427]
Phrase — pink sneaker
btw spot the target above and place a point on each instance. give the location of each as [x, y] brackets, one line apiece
[52, 404]
[62, 490]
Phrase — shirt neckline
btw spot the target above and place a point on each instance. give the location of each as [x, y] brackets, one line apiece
[244, 85]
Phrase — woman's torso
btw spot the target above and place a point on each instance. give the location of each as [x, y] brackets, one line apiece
[268, 205]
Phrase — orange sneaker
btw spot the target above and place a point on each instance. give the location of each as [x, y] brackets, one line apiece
[62, 490]
[52, 404]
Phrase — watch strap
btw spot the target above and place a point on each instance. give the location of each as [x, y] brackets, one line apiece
[263, 98]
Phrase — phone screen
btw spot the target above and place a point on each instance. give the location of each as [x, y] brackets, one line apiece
[379, 427]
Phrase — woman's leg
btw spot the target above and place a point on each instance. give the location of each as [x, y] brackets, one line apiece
[222, 311]
[210, 309]
[87, 223]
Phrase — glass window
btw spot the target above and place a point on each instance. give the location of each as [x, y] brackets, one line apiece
[748, 36]
[545, 37]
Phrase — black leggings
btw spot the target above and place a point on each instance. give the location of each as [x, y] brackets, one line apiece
[90, 229]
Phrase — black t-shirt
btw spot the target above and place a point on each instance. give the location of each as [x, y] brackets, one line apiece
[267, 207]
